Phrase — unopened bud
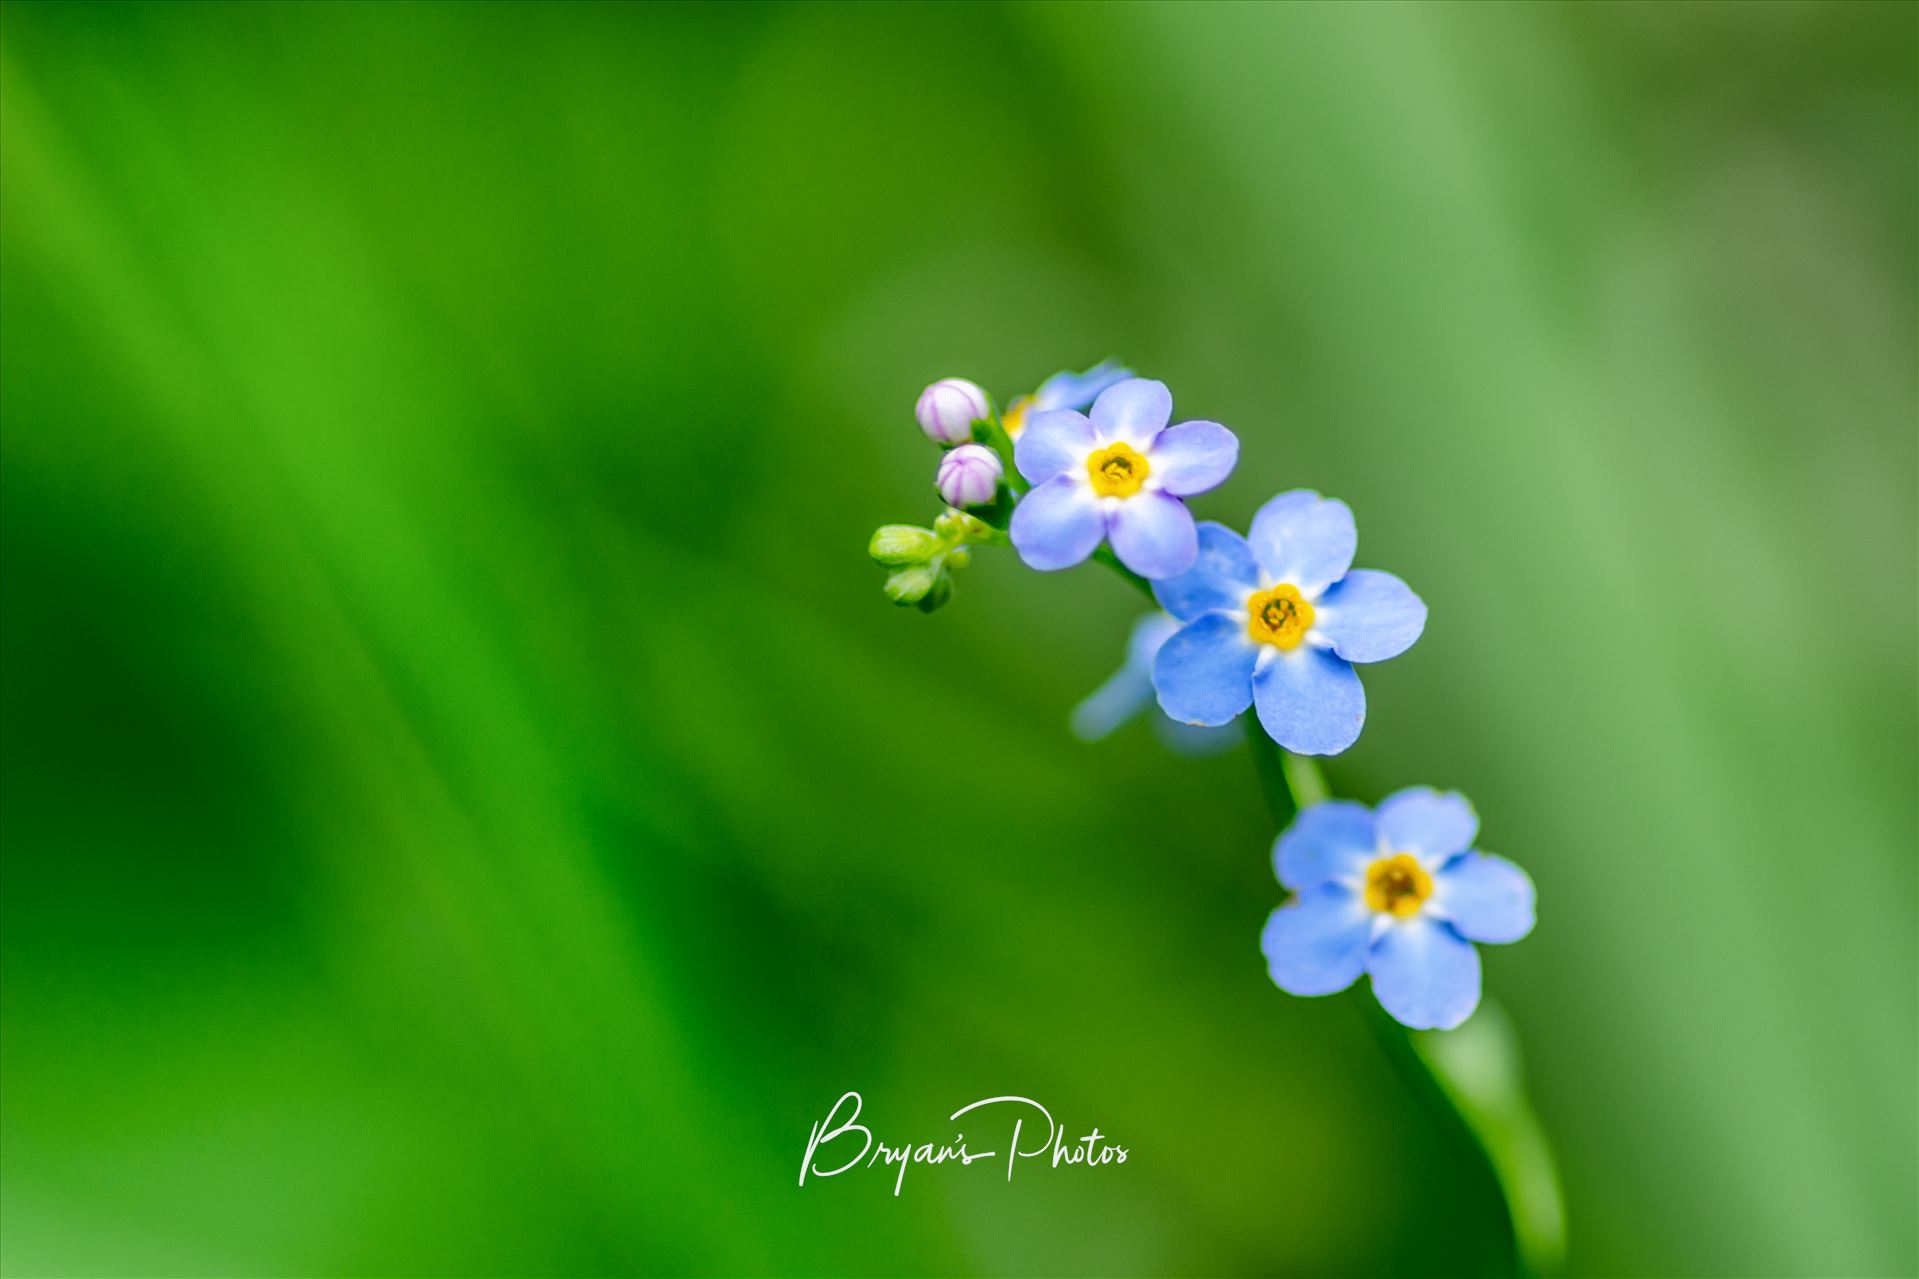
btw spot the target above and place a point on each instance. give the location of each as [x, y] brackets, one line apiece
[948, 408]
[895, 544]
[969, 475]
[936, 598]
[912, 584]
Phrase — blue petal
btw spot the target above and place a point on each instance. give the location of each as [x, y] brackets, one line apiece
[1425, 974]
[1370, 616]
[1136, 410]
[1153, 534]
[1303, 538]
[1193, 457]
[1317, 943]
[1057, 524]
[1079, 390]
[1130, 688]
[1204, 674]
[1053, 443]
[1428, 824]
[1334, 839]
[1487, 898]
[1310, 700]
[1220, 578]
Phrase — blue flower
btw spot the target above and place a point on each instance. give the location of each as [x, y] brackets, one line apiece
[1399, 893]
[1130, 690]
[1118, 474]
[1276, 620]
[1064, 391]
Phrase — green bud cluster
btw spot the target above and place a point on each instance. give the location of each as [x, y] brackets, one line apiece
[922, 560]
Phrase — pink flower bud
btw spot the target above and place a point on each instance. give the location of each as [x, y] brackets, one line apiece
[970, 475]
[948, 408]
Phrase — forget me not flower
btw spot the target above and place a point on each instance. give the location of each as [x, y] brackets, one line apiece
[1117, 474]
[1276, 619]
[1399, 893]
[1064, 391]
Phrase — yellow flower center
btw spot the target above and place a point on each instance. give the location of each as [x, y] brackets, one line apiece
[1014, 419]
[1117, 471]
[1279, 617]
[1397, 885]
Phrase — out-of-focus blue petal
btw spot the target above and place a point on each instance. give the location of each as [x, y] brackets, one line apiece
[1053, 443]
[1332, 840]
[1135, 410]
[1220, 578]
[1143, 643]
[1317, 943]
[1370, 616]
[1124, 694]
[1425, 974]
[1486, 897]
[1431, 825]
[1130, 688]
[1309, 700]
[1153, 534]
[1204, 674]
[1057, 524]
[1303, 538]
[1193, 457]
[1068, 390]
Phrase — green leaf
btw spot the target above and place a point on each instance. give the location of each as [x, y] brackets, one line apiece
[1478, 1067]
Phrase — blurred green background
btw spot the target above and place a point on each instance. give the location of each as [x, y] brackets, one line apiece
[468, 808]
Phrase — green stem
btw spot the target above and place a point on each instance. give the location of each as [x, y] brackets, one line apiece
[1270, 763]
[1291, 782]
[990, 432]
[1104, 555]
[1304, 779]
